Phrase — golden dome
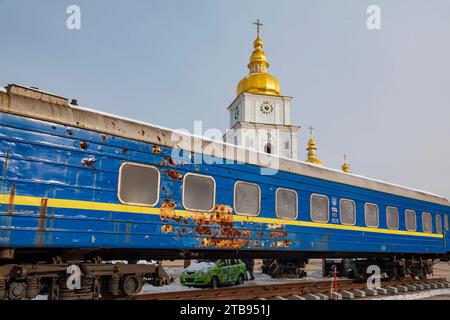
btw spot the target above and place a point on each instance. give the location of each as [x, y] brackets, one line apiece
[259, 80]
[346, 166]
[312, 148]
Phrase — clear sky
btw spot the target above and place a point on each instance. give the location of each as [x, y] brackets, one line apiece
[382, 97]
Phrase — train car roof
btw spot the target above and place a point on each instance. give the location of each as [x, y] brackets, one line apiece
[37, 104]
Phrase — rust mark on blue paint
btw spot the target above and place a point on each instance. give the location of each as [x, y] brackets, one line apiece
[42, 214]
[169, 161]
[42, 222]
[5, 170]
[12, 194]
[173, 174]
[218, 229]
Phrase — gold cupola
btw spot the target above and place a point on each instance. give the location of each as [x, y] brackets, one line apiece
[259, 80]
[346, 166]
[312, 148]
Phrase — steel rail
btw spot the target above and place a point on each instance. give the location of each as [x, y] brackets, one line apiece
[273, 290]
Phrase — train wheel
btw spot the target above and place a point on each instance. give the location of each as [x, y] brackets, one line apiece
[132, 285]
[16, 291]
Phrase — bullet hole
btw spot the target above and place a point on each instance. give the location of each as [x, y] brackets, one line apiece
[156, 149]
[83, 145]
[88, 162]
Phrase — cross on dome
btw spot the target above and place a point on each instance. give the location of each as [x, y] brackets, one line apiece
[258, 24]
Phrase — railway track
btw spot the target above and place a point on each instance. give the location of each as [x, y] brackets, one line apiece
[308, 290]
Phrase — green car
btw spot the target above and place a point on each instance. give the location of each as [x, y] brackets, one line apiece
[214, 273]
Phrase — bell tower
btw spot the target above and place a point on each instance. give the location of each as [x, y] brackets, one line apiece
[260, 117]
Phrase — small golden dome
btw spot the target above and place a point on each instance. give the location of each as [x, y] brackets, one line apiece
[259, 80]
[346, 166]
[312, 156]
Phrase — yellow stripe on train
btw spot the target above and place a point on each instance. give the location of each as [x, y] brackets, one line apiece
[102, 206]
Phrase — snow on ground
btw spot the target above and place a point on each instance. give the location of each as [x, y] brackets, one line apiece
[260, 279]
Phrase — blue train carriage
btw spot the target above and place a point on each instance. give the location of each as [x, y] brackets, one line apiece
[79, 187]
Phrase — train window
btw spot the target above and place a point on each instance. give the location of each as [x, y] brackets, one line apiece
[138, 184]
[371, 215]
[438, 224]
[392, 218]
[348, 212]
[247, 198]
[410, 220]
[427, 222]
[446, 222]
[319, 208]
[199, 192]
[286, 204]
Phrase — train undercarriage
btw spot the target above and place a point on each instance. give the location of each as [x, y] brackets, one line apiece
[284, 268]
[388, 268]
[81, 276]
[78, 280]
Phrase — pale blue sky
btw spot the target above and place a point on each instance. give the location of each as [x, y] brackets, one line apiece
[382, 97]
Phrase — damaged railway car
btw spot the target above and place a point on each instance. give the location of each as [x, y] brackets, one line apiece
[79, 188]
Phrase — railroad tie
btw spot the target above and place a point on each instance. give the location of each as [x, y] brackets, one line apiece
[347, 294]
[278, 298]
[296, 297]
[419, 286]
[391, 290]
[381, 290]
[322, 296]
[410, 287]
[358, 293]
[401, 288]
[311, 296]
[370, 292]
[433, 285]
[426, 285]
[334, 296]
